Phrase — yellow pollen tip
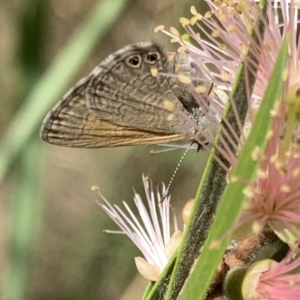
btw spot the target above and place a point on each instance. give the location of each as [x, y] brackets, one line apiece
[222, 16]
[278, 165]
[285, 188]
[168, 105]
[285, 74]
[184, 79]
[233, 179]
[272, 159]
[292, 283]
[184, 21]
[195, 19]
[296, 172]
[174, 31]
[95, 188]
[171, 117]
[261, 174]
[154, 72]
[201, 89]
[170, 57]
[231, 28]
[174, 40]
[159, 28]
[216, 33]
[224, 76]
[187, 209]
[274, 113]
[207, 15]
[244, 50]
[270, 134]
[193, 10]
[256, 153]
[214, 245]
[182, 49]
[256, 227]
[222, 46]
[248, 191]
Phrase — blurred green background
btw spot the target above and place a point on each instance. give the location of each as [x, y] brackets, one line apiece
[52, 244]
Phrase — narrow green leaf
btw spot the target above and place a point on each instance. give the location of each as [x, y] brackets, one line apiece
[26, 208]
[26, 204]
[155, 291]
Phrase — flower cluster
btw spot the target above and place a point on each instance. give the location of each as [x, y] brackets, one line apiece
[152, 234]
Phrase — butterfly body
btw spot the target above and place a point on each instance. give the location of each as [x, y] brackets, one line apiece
[121, 102]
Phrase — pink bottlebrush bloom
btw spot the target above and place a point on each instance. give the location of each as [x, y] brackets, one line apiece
[151, 232]
[220, 43]
[222, 36]
[273, 198]
[268, 279]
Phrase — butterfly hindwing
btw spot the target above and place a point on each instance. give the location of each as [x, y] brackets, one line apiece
[70, 123]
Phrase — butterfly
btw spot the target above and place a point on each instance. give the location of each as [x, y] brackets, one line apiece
[131, 98]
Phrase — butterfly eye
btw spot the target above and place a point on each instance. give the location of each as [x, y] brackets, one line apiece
[134, 61]
[152, 57]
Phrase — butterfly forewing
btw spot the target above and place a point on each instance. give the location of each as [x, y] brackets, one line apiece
[132, 96]
[119, 103]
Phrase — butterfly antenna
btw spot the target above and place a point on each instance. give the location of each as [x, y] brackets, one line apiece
[173, 176]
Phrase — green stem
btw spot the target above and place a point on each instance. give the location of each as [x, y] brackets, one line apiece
[25, 217]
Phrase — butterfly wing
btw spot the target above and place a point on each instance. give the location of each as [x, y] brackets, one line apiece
[70, 123]
[128, 94]
[121, 102]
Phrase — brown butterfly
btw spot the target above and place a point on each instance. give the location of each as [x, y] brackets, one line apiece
[123, 102]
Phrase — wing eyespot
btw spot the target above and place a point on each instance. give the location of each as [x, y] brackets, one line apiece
[152, 57]
[134, 61]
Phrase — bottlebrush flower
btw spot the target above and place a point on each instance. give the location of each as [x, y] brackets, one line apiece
[268, 279]
[273, 198]
[152, 232]
[218, 42]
